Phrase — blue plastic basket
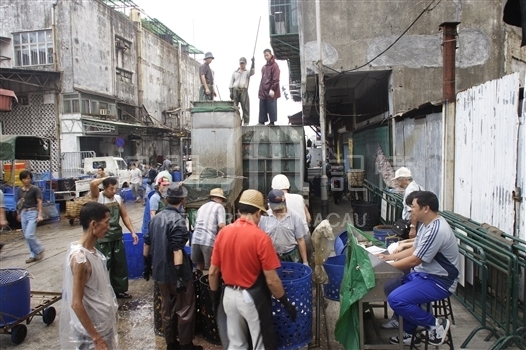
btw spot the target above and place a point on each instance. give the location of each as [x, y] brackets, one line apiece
[126, 194]
[334, 267]
[385, 234]
[297, 282]
[340, 243]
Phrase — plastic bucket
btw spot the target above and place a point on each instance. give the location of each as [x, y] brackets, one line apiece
[334, 267]
[366, 215]
[15, 295]
[340, 243]
[385, 234]
[297, 282]
[134, 257]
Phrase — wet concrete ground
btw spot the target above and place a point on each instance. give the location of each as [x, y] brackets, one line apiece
[136, 315]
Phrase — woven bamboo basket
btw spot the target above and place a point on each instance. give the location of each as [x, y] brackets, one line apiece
[73, 207]
[356, 177]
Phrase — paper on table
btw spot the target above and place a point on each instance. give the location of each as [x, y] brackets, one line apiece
[375, 250]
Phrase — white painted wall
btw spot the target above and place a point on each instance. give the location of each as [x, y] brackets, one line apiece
[486, 132]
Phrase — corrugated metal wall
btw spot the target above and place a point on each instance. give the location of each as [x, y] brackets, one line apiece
[365, 143]
[486, 129]
[418, 146]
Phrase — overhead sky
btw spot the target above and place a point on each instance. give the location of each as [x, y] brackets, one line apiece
[227, 29]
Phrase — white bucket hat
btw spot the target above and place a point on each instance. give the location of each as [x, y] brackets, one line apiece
[402, 172]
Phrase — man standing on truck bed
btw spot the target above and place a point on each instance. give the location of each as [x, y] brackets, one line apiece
[112, 245]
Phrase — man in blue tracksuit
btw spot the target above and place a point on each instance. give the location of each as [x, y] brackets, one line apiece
[434, 258]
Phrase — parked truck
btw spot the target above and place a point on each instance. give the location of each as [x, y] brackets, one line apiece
[83, 170]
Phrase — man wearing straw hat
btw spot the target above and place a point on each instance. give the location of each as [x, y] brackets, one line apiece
[209, 220]
[244, 256]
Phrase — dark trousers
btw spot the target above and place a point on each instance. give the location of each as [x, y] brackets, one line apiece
[116, 264]
[177, 312]
[268, 110]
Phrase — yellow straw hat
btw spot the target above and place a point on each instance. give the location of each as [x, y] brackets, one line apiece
[217, 192]
[253, 198]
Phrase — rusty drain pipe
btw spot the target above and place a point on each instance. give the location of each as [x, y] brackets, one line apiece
[449, 47]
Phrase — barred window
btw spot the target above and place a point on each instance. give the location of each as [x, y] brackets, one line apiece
[33, 48]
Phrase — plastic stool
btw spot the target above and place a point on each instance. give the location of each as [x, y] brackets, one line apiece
[441, 308]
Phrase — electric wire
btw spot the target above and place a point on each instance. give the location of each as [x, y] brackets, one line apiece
[427, 9]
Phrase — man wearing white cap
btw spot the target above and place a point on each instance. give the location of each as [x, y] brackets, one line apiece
[285, 228]
[405, 180]
[209, 220]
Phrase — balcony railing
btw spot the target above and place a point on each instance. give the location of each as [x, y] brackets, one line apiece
[283, 17]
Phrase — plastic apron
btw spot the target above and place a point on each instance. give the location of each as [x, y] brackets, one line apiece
[112, 246]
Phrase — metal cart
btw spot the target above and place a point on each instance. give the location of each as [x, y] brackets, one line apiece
[17, 329]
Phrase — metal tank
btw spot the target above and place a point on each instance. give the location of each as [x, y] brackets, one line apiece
[216, 151]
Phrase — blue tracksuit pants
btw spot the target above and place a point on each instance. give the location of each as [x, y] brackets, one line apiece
[417, 288]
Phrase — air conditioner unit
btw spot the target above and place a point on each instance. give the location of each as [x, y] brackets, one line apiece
[104, 111]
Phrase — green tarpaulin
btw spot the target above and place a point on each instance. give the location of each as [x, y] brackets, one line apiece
[23, 147]
[358, 280]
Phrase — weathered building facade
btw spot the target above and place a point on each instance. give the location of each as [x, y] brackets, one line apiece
[88, 72]
[383, 64]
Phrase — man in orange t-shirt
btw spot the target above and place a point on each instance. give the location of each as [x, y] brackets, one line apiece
[245, 257]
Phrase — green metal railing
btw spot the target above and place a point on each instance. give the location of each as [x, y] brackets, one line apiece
[393, 201]
[494, 272]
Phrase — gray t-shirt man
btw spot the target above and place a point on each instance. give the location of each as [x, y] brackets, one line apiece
[436, 246]
[285, 233]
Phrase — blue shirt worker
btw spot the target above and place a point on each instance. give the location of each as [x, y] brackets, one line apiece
[210, 219]
[176, 174]
[434, 259]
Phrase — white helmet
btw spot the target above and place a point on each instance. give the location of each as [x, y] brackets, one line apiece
[280, 182]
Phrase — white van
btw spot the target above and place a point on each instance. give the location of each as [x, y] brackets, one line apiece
[113, 166]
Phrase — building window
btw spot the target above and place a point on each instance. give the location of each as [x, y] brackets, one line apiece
[71, 103]
[33, 48]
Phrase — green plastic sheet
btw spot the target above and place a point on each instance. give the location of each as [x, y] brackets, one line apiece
[358, 280]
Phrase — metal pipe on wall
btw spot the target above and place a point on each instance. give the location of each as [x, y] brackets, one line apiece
[56, 96]
[321, 96]
[448, 114]
[135, 17]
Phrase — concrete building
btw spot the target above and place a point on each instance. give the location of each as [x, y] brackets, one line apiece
[88, 72]
[383, 72]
